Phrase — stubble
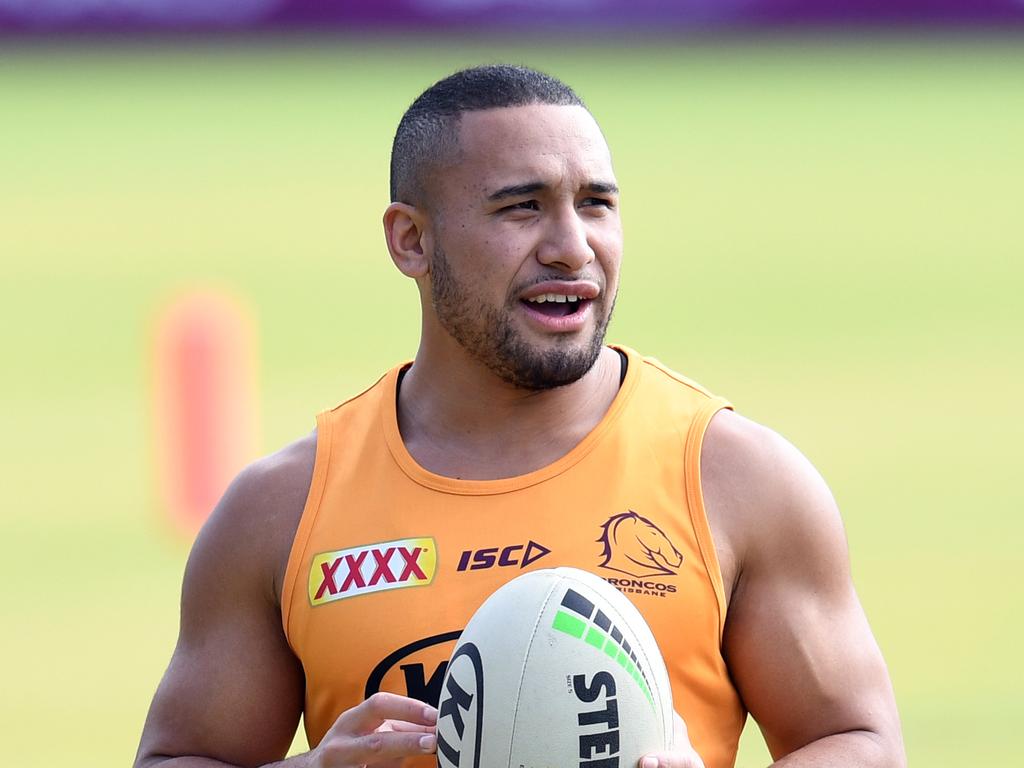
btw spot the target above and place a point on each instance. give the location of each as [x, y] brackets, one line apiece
[488, 334]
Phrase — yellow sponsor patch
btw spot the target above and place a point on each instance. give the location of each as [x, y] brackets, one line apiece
[371, 568]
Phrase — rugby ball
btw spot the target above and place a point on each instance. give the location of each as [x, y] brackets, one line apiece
[556, 669]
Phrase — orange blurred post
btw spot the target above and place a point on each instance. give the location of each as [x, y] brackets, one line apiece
[204, 392]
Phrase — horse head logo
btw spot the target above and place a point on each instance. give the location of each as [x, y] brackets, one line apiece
[635, 545]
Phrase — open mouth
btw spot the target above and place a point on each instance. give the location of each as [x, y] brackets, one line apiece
[556, 304]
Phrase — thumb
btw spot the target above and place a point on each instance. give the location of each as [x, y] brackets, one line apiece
[680, 753]
[680, 735]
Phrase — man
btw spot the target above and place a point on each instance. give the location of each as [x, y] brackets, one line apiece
[333, 578]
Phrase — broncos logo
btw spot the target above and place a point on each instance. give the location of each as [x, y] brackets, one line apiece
[635, 545]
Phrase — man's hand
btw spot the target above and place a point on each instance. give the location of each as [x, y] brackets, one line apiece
[382, 731]
[681, 755]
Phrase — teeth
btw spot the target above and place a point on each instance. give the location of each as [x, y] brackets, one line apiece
[555, 297]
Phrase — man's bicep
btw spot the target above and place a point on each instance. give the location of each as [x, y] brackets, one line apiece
[242, 709]
[807, 667]
[797, 642]
[233, 690]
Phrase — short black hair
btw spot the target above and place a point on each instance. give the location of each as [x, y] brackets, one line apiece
[427, 132]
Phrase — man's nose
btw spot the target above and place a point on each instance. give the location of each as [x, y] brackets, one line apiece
[566, 244]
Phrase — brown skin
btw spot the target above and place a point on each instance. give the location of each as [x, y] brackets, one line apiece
[563, 230]
[798, 646]
[232, 694]
[797, 643]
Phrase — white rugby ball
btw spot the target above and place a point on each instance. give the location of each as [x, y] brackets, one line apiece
[556, 669]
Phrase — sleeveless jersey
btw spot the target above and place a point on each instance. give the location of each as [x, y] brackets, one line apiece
[390, 560]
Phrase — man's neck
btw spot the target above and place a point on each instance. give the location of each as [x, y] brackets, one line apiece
[465, 422]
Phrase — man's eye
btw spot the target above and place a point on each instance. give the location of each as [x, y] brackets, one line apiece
[598, 201]
[525, 205]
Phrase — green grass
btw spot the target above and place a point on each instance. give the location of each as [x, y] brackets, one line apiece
[830, 235]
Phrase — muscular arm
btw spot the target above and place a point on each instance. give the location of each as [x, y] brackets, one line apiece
[796, 640]
[233, 691]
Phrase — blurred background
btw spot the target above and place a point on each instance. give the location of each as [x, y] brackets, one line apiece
[823, 211]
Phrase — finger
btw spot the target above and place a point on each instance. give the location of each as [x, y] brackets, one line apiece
[680, 753]
[376, 748]
[680, 736]
[401, 725]
[683, 758]
[371, 714]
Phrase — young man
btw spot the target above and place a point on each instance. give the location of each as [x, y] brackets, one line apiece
[334, 577]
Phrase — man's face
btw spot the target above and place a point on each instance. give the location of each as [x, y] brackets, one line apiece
[527, 243]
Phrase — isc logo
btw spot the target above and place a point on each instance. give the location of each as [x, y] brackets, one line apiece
[475, 560]
[373, 568]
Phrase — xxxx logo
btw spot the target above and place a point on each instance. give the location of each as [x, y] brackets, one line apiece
[371, 568]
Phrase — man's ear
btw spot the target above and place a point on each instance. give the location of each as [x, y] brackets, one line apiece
[409, 237]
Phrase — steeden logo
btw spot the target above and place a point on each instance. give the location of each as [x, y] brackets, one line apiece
[371, 568]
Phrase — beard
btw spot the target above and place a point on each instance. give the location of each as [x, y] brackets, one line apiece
[489, 335]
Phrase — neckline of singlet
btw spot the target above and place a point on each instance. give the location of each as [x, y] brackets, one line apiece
[628, 378]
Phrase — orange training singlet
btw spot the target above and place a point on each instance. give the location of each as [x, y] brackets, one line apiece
[390, 560]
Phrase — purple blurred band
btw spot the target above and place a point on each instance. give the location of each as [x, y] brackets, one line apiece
[54, 16]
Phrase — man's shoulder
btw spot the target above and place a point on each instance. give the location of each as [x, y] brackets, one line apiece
[253, 525]
[271, 492]
[763, 496]
[756, 460]
[661, 380]
[675, 377]
[370, 396]
[278, 476]
[744, 445]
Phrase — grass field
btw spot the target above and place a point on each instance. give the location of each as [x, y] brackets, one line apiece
[831, 235]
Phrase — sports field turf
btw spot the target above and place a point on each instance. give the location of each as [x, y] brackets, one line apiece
[830, 235]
